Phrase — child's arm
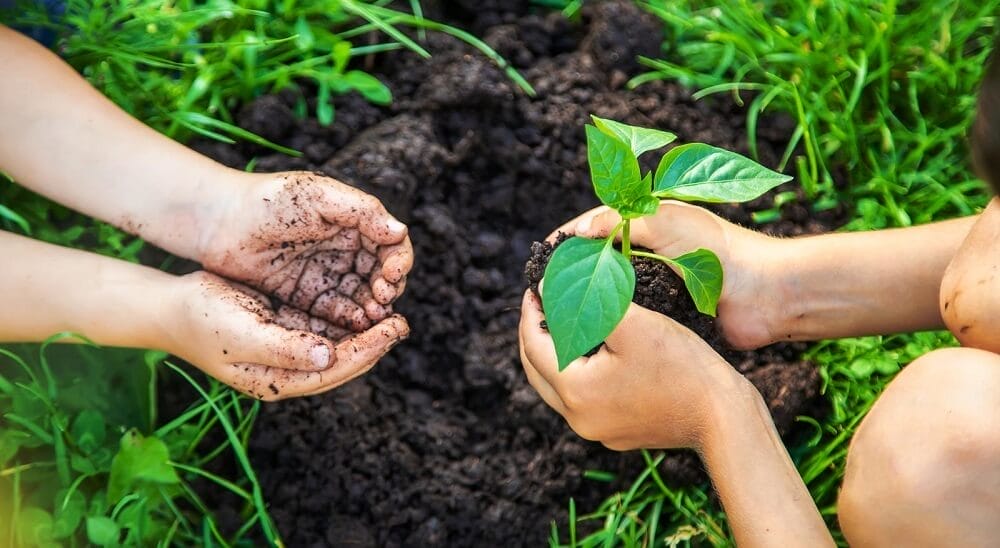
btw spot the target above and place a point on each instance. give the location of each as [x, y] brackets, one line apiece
[808, 288]
[63, 139]
[275, 232]
[229, 332]
[655, 384]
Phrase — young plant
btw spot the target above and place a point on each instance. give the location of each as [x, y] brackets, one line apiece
[588, 284]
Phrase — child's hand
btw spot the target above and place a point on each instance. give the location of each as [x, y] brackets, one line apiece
[653, 384]
[314, 243]
[233, 334]
[750, 305]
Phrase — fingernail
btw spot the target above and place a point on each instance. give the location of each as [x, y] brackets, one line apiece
[320, 356]
[583, 227]
[396, 226]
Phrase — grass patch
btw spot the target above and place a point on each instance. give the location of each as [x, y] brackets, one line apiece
[882, 93]
[81, 461]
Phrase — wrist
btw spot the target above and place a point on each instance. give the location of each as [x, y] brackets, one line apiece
[127, 302]
[756, 302]
[219, 199]
[734, 405]
[186, 219]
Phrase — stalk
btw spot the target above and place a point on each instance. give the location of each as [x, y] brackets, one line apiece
[626, 240]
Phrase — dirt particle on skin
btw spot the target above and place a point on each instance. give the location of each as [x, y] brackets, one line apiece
[274, 389]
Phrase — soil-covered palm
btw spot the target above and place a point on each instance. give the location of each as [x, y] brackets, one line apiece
[266, 350]
[323, 252]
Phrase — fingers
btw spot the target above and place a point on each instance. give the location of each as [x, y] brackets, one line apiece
[346, 206]
[389, 279]
[354, 357]
[676, 228]
[536, 343]
[277, 346]
[531, 317]
[397, 260]
[636, 328]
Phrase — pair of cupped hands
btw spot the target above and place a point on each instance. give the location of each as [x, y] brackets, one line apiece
[300, 273]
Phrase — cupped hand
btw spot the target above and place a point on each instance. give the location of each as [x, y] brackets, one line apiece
[235, 334]
[652, 384]
[313, 243]
[749, 311]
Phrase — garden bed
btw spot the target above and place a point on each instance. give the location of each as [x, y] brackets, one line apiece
[444, 442]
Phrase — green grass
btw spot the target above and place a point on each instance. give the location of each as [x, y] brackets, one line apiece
[883, 93]
[82, 461]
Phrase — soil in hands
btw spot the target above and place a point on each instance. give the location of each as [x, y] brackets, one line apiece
[444, 443]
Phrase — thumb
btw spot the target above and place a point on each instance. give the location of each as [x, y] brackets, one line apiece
[636, 328]
[348, 206]
[597, 223]
[271, 345]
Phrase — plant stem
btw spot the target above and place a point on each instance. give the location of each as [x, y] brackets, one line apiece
[649, 255]
[627, 241]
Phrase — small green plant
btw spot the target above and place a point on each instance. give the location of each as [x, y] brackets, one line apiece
[588, 283]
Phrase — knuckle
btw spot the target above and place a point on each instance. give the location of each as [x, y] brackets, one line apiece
[584, 428]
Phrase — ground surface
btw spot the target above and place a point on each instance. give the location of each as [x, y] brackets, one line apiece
[444, 443]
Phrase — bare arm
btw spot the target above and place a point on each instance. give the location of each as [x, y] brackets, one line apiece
[48, 289]
[226, 330]
[808, 288]
[63, 139]
[761, 491]
[862, 283]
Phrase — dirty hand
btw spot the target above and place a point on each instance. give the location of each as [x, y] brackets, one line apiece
[234, 334]
[313, 243]
[749, 308]
[652, 384]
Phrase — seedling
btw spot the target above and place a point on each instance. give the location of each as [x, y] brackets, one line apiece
[588, 284]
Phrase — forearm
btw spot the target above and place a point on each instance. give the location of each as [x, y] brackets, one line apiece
[63, 139]
[862, 283]
[46, 289]
[761, 491]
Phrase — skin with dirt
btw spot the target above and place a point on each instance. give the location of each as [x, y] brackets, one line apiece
[444, 443]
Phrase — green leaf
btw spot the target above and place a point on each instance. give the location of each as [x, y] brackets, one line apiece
[304, 38]
[588, 286]
[614, 170]
[369, 86]
[324, 108]
[700, 172]
[35, 526]
[645, 205]
[102, 530]
[702, 274]
[88, 430]
[638, 139]
[69, 511]
[139, 460]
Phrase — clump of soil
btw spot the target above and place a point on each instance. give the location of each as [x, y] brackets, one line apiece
[444, 443]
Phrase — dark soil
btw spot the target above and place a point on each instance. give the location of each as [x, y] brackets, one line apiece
[444, 443]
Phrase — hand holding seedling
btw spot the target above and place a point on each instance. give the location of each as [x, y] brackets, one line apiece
[650, 385]
[590, 283]
[749, 308]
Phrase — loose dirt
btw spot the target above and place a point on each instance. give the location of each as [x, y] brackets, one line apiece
[444, 443]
